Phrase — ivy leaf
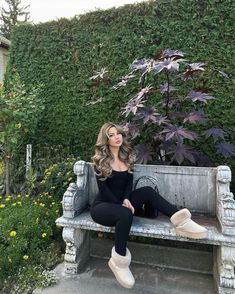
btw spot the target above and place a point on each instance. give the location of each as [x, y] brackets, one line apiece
[143, 155]
[178, 133]
[225, 149]
[216, 133]
[196, 116]
[199, 96]
[181, 152]
[148, 114]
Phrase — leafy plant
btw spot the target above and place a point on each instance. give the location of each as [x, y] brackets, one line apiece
[20, 111]
[171, 123]
[27, 226]
[57, 178]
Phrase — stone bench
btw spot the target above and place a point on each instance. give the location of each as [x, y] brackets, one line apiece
[203, 190]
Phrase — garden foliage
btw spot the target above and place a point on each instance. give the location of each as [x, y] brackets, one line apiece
[64, 54]
[163, 117]
[29, 237]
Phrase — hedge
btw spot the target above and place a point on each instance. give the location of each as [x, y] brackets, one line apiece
[64, 54]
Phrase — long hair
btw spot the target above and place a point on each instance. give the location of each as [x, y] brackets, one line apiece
[103, 155]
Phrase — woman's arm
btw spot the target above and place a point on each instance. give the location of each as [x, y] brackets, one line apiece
[129, 186]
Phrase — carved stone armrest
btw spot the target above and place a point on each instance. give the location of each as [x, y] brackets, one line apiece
[75, 199]
[225, 201]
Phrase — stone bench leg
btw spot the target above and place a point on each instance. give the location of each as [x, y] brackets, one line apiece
[77, 249]
[224, 268]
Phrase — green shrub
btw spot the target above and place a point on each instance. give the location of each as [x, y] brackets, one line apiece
[27, 228]
[57, 178]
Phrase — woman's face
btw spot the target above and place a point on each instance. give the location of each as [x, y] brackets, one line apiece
[115, 137]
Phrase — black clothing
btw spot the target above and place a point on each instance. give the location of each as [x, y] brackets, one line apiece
[108, 210]
[114, 189]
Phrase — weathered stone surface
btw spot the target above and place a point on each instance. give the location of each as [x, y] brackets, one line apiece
[203, 190]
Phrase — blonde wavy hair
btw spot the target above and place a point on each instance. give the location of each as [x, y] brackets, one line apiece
[103, 155]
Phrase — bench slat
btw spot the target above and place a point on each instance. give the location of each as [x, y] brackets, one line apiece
[156, 228]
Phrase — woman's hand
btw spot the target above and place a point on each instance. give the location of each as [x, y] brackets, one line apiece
[128, 204]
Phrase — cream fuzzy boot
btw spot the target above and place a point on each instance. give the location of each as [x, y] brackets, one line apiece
[120, 267]
[186, 227]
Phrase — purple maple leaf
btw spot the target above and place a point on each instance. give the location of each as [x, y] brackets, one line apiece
[131, 130]
[99, 74]
[178, 133]
[164, 88]
[143, 155]
[192, 68]
[99, 100]
[162, 120]
[169, 64]
[132, 106]
[148, 114]
[168, 53]
[124, 81]
[136, 102]
[144, 65]
[216, 133]
[196, 66]
[199, 96]
[195, 117]
[181, 152]
[225, 149]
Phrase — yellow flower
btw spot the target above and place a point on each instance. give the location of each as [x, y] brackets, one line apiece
[57, 211]
[19, 203]
[18, 126]
[2, 205]
[13, 204]
[27, 195]
[44, 235]
[9, 259]
[43, 182]
[70, 179]
[8, 199]
[0, 197]
[13, 233]
[46, 193]
[53, 203]
[18, 195]
[41, 204]
[25, 257]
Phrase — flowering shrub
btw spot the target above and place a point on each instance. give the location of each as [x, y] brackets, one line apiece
[27, 228]
[57, 178]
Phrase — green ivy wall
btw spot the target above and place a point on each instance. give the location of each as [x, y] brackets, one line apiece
[63, 55]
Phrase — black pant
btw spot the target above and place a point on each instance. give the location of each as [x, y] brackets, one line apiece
[111, 214]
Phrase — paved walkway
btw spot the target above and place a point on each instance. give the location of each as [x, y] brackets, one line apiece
[98, 279]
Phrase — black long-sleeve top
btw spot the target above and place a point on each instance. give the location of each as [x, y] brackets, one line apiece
[115, 188]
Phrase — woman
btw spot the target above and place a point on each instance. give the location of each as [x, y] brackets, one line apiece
[116, 203]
